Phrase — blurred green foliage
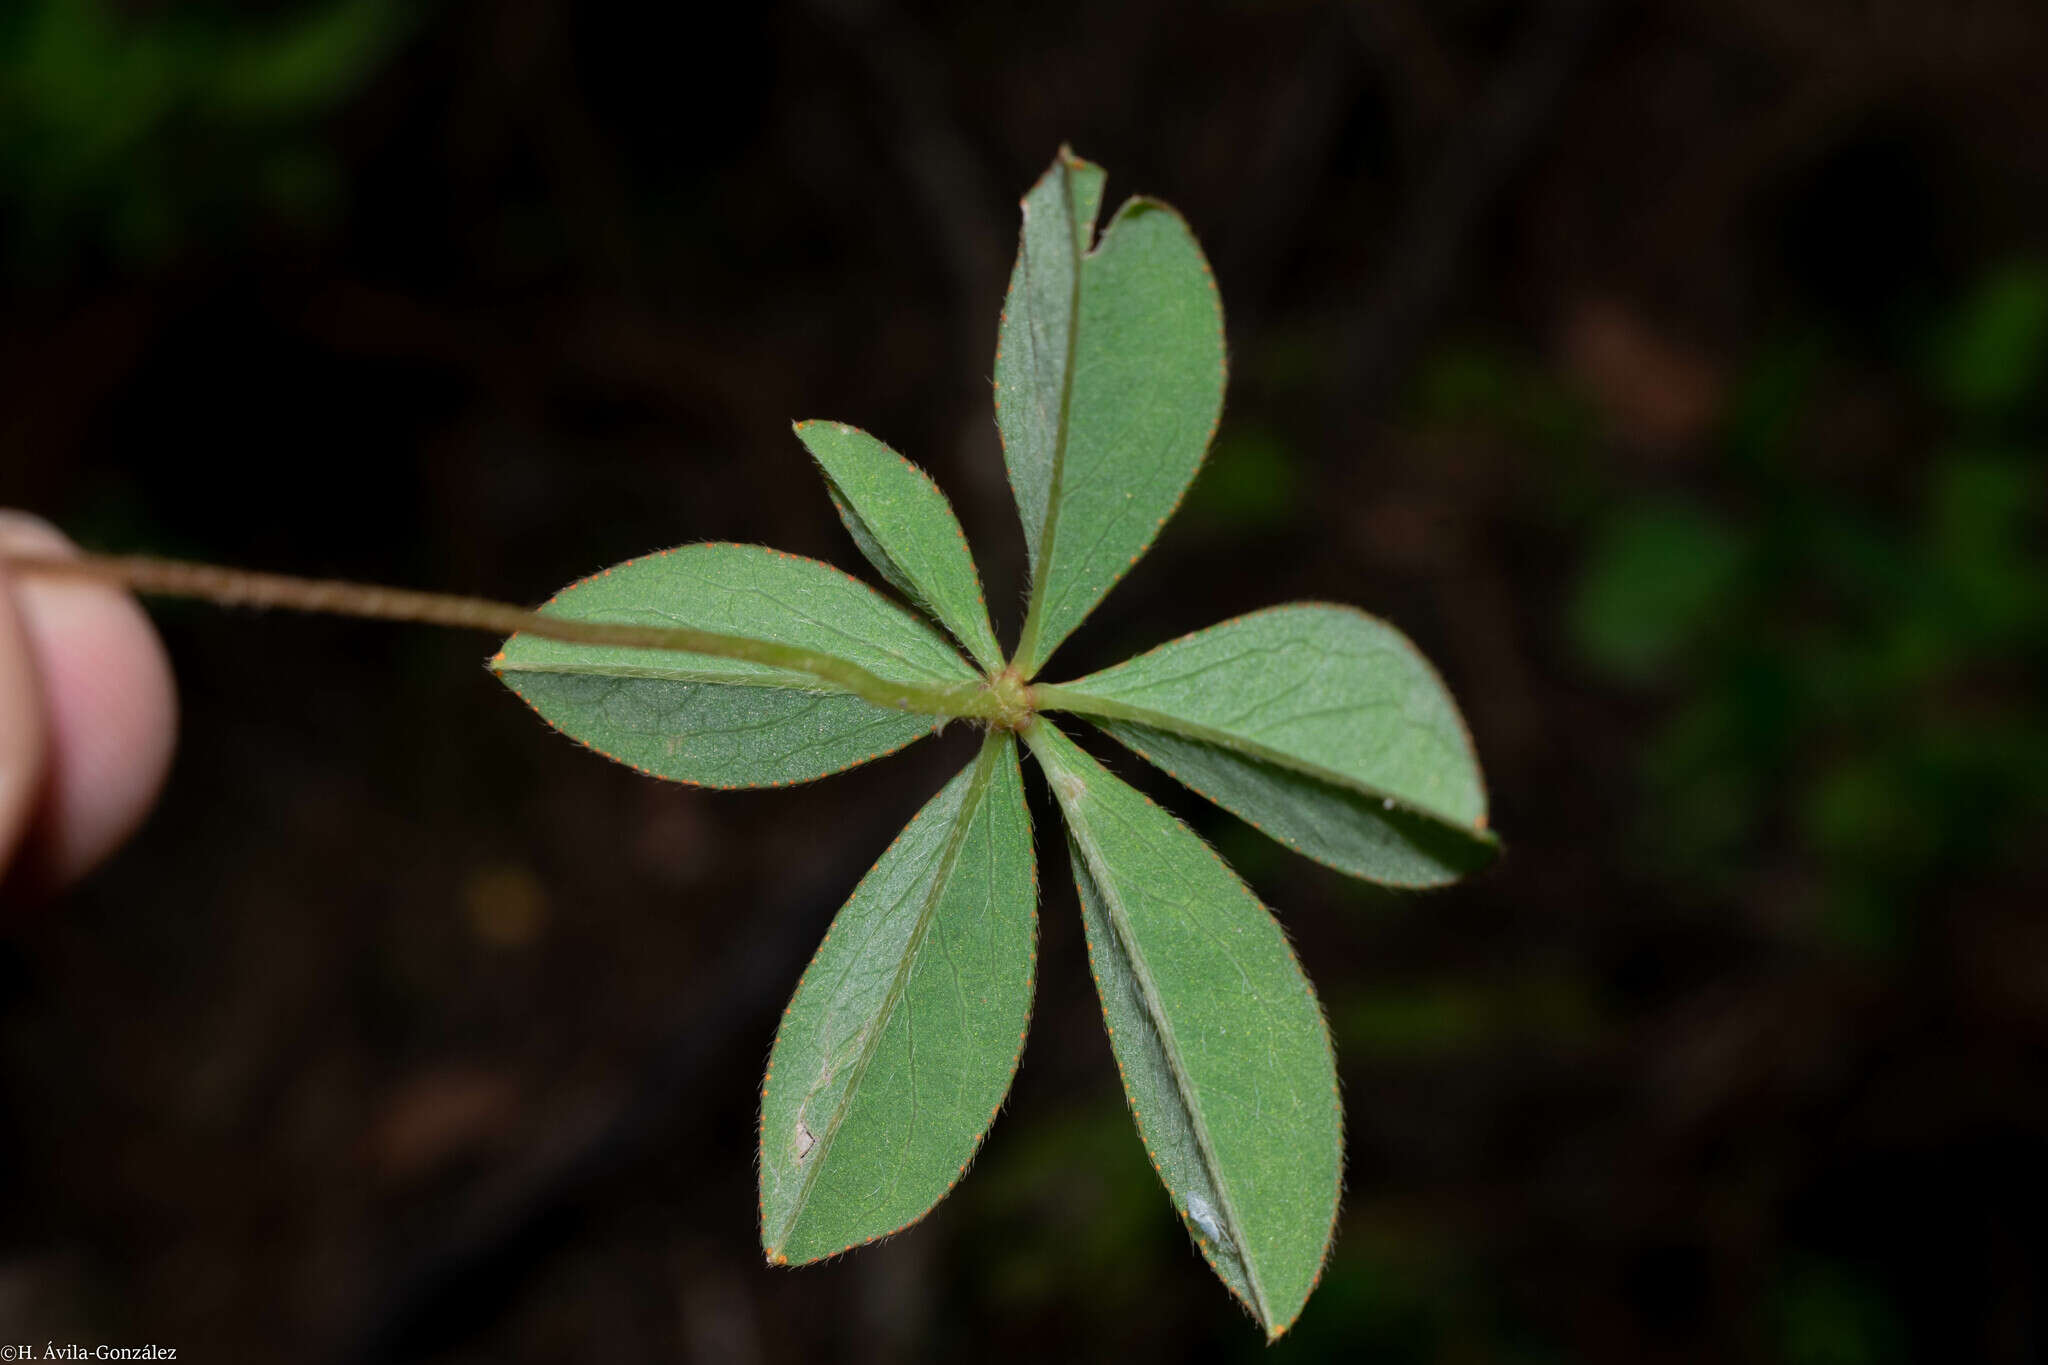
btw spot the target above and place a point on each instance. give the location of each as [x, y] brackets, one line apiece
[1079, 1219]
[1864, 665]
[1078, 1228]
[1250, 482]
[1530, 404]
[1989, 355]
[1401, 1289]
[1826, 1314]
[1426, 1021]
[135, 132]
[1834, 668]
[1666, 570]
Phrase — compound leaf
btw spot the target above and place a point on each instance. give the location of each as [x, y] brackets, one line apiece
[722, 722]
[900, 1042]
[1223, 1050]
[1109, 382]
[1321, 725]
[906, 529]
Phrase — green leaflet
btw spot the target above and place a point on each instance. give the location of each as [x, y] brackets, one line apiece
[1222, 1046]
[1319, 724]
[1109, 383]
[723, 722]
[906, 529]
[903, 1035]
[1033, 352]
[1349, 830]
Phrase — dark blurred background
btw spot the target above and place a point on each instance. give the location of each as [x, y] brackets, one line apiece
[1672, 372]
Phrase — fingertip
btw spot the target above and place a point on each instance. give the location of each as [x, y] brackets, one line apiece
[108, 708]
[22, 741]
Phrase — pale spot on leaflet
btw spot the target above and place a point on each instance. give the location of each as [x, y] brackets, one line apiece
[1205, 1218]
